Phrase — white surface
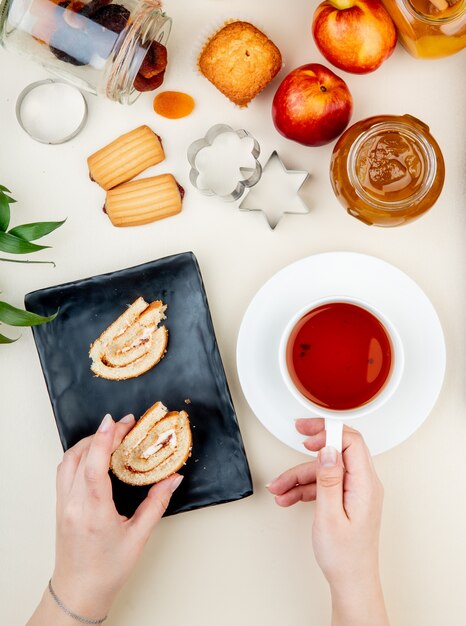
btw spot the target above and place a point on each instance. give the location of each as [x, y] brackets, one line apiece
[365, 279]
[247, 563]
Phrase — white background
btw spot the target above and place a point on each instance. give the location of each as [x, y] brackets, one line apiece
[250, 562]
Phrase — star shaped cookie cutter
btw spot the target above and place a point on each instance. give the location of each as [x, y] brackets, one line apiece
[278, 192]
[251, 175]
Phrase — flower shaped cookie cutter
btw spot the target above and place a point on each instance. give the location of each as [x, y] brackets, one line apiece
[202, 175]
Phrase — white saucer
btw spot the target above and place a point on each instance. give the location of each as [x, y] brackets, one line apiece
[361, 276]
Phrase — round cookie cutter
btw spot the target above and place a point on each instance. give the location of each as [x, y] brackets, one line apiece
[51, 111]
[251, 176]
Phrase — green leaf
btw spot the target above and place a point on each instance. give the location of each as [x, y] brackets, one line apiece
[18, 317]
[15, 245]
[36, 230]
[4, 212]
[2, 193]
[4, 339]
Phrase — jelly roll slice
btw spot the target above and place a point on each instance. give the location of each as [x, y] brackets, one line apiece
[133, 344]
[155, 448]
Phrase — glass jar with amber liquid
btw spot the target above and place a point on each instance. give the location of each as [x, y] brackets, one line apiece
[429, 28]
[387, 170]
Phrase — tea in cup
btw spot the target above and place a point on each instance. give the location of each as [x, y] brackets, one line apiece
[341, 359]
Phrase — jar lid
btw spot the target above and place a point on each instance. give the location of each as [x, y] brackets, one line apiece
[51, 111]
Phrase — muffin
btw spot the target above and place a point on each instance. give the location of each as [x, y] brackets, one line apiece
[240, 61]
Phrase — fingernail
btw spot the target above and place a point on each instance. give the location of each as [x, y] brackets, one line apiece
[127, 419]
[328, 457]
[176, 483]
[105, 424]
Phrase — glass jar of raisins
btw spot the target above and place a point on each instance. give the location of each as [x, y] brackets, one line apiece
[108, 47]
[387, 170]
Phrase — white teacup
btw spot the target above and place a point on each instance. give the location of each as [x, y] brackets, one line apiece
[334, 419]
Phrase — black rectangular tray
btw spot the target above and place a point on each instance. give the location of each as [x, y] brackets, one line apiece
[217, 470]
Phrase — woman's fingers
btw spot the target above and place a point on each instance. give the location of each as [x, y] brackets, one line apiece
[92, 474]
[78, 466]
[154, 506]
[303, 474]
[67, 469]
[315, 442]
[356, 456]
[122, 428]
[300, 493]
[329, 482]
[310, 425]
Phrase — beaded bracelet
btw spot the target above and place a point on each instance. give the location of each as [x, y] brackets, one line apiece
[79, 618]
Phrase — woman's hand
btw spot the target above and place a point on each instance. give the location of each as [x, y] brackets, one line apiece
[347, 520]
[96, 547]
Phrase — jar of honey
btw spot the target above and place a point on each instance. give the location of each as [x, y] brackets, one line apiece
[429, 28]
[115, 48]
[387, 170]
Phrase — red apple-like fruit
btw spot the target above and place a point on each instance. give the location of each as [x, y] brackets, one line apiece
[312, 105]
[354, 35]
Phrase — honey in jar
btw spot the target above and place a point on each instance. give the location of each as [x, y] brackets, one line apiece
[387, 170]
[429, 28]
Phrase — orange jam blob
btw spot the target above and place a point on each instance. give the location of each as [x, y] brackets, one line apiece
[173, 104]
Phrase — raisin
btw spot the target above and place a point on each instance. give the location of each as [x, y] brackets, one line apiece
[114, 17]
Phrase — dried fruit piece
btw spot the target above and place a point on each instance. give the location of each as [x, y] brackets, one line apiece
[114, 17]
[173, 104]
[92, 6]
[152, 70]
[155, 60]
[148, 84]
